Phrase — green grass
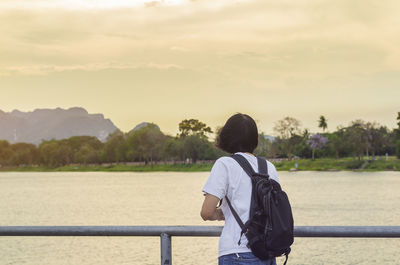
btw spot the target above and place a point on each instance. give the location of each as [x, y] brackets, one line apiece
[383, 165]
[330, 164]
[114, 168]
[321, 164]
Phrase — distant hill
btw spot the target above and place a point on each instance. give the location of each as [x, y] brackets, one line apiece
[270, 138]
[141, 125]
[47, 124]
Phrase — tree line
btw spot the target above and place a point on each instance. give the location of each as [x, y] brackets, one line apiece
[358, 139]
[149, 144]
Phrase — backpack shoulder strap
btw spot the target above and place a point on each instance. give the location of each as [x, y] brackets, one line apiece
[235, 214]
[244, 164]
[250, 171]
[262, 165]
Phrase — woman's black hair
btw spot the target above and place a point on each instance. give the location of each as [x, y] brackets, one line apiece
[239, 134]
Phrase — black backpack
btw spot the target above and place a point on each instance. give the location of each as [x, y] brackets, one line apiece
[269, 230]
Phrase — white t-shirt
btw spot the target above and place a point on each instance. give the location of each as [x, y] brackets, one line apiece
[227, 178]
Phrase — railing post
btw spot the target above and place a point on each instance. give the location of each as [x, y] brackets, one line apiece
[166, 257]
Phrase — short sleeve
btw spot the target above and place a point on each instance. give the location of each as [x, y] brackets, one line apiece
[217, 182]
[272, 172]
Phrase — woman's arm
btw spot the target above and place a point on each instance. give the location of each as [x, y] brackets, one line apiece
[209, 210]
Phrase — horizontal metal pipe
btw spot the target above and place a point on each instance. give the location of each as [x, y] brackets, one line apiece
[110, 230]
[347, 231]
[299, 231]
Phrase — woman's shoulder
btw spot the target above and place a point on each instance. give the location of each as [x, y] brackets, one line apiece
[227, 161]
[223, 159]
[270, 165]
[229, 165]
[272, 171]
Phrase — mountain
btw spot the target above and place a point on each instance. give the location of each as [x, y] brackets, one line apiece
[141, 125]
[47, 124]
[270, 138]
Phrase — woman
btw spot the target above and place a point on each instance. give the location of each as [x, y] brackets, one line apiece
[238, 136]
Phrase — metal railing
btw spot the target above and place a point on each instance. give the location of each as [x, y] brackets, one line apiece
[165, 232]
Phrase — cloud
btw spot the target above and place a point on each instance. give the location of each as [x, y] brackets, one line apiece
[48, 69]
[282, 52]
[179, 49]
[84, 4]
[252, 37]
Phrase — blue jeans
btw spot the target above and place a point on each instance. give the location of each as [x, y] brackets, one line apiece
[247, 258]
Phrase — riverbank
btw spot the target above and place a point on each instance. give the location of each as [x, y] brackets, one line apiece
[115, 168]
[323, 164]
[342, 164]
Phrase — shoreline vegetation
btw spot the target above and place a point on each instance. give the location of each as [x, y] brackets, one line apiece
[322, 164]
[360, 146]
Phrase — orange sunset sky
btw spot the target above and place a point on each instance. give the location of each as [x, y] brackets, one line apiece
[165, 61]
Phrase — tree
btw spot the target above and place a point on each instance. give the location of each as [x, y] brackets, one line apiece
[287, 129]
[397, 130]
[86, 154]
[300, 146]
[193, 127]
[115, 147]
[145, 144]
[397, 136]
[55, 153]
[355, 138]
[263, 147]
[76, 142]
[398, 120]
[195, 146]
[23, 154]
[398, 148]
[317, 142]
[85, 149]
[322, 123]
[5, 153]
[334, 144]
[173, 149]
[377, 138]
[368, 130]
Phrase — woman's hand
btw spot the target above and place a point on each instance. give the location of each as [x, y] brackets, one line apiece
[209, 210]
[219, 214]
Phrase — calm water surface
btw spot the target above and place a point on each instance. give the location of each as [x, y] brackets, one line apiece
[318, 198]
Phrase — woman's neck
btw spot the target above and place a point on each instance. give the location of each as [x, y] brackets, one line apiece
[249, 153]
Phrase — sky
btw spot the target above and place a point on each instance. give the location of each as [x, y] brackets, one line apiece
[165, 61]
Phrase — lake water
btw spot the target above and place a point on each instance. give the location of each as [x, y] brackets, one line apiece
[100, 198]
